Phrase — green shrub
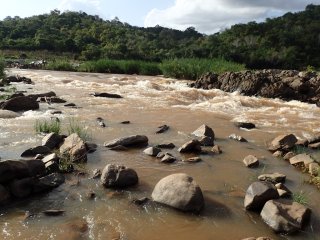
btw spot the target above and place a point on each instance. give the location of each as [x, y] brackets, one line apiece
[2, 66]
[60, 65]
[48, 126]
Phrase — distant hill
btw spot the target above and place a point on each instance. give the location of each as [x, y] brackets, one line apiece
[290, 41]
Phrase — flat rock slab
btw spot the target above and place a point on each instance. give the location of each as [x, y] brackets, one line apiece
[273, 177]
[130, 141]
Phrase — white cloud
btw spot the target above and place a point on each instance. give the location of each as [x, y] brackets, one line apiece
[210, 16]
[88, 6]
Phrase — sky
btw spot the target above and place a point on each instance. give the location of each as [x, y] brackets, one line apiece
[207, 16]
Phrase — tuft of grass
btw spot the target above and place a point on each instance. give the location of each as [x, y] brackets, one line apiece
[46, 126]
[300, 197]
[78, 128]
[300, 150]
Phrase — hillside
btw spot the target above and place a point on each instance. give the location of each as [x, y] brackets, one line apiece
[290, 41]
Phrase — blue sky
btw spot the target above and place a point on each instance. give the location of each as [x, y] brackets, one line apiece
[207, 16]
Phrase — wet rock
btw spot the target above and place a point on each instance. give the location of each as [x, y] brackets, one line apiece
[258, 194]
[192, 160]
[152, 151]
[289, 155]
[125, 122]
[162, 129]
[51, 162]
[283, 191]
[166, 145]
[55, 112]
[206, 141]
[48, 182]
[130, 141]
[118, 148]
[75, 148]
[168, 158]
[53, 212]
[314, 169]
[204, 131]
[251, 161]
[18, 169]
[4, 195]
[237, 138]
[52, 140]
[285, 216]
[20, 104]
[285, 142]
[91, 147]
[301, 159]
[314, 145]
[101, 122]
[114, 176]
[71, 105]
[32, 152]
[96, 173]
[74, 229]
[273, 177]
[190, 147]
[106, 95]
[246, 125]
[50, 100]
[160, 155]
[22, 188]
[216, 149]
[140, 201]
[278, 154]
[8, 114]
[18, 79]
[39, 95]
[179, 191]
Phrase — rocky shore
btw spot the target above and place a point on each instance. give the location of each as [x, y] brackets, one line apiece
[269, 83]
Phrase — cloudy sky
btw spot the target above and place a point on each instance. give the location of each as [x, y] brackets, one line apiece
[207, 16]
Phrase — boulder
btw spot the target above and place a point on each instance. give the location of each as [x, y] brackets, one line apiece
[152, 151]
[204, 131]
[52, 140]
[130, 141]
[106, 95]
[191, 146]
[22, 188]
[75, 148]
[18, 169]
[237, 138]
[285, 216]
[4, 195]
[168, 158]
[258, 194]
[179, 191]
[48, 182]
[32, 152]
[39, 95]
[246, 125]
[20, 104]
[303, 159]
[251, 161]
[284, 142]
[162, 129]
[8, 114]
[272, 177]
[114, 176]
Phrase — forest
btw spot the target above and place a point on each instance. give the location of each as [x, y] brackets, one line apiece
[291, 41]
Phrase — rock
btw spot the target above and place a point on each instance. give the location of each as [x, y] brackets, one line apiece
[118, 148]
[179, 191]
[285, 216]
[161, 155]
[96, 173]
[8, 114]
[100, 122]
[245, 125]
[4, 195]
[52, 140]
[273, 177]
[53, 212]
[125, 122]
[50, 100]
[20, 104]
[18, 169]
[191, 146]
[251, 161]
[51, 163]
[71, 105]
[204, 131]
[168, 158]
[166, 145]
[216, 149]
[106, 95]
[22, 188]
[283, 142]
[258, 238]
[131, 141]
[55, 112]
[206, 141]
[18, 79]
[237, 138]
[141, 201]
[48, 182]
[278, 154]
[114, 176]
[162, 129]
[39, 95]
[289, 155]
[314, 169]
[152, 151]
[283, 191]
[258, 194]
[303, 159]
[32, 152]
[91, 147]
[75, 148]
[192, 160]
[314, 145]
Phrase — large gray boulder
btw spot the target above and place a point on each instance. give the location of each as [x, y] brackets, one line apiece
[75, 148]
[179, 191]
[258, 194]
[191, 146]
[285, 142]
[130, 141]
[285, 216]
[21, 103]
[18, 169]
[114, 176]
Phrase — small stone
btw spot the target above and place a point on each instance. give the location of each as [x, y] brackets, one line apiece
[168, 158]
[125, 122]
[53, 212]
[278, 154]
[237, 138]
[162, 129]
[166, 145]
[273, 177]
[289, 155]
[216, 149]
[251, 161]
[192, 160]
[152, 151]
[160, 155]
[314, 169]
[191, 146]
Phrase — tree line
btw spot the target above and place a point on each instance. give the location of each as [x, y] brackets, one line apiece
[290, 41]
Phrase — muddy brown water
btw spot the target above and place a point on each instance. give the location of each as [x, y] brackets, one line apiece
[148, 103]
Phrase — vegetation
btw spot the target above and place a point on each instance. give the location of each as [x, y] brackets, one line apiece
[76, 127]
[46, 126]
[2, 65]
[7, 93]
[60, 65]
[290, 41]
[300, 197]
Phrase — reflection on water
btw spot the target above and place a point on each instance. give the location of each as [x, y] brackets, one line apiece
[148, 103]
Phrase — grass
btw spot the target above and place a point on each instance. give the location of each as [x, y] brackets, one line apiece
[2, 66]
[46, 126]
[76, 127]
[60, 65]
[300, 197]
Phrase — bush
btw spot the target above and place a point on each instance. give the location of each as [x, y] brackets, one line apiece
[2, 66]
[48, 126]
[60, 65]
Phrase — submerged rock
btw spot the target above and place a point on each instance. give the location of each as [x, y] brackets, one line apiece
[162, 129]
[8, 114]
[20, 104]
[152, 151]
[114, 176]
[246, 125]
[237, 138]
[168, 158]
[32, 152]
[191, 146]
[166, 145]
[106, 95]
[130, 141]
[179, 191]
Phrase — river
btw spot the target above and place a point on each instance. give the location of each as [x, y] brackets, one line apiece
[148, 103]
